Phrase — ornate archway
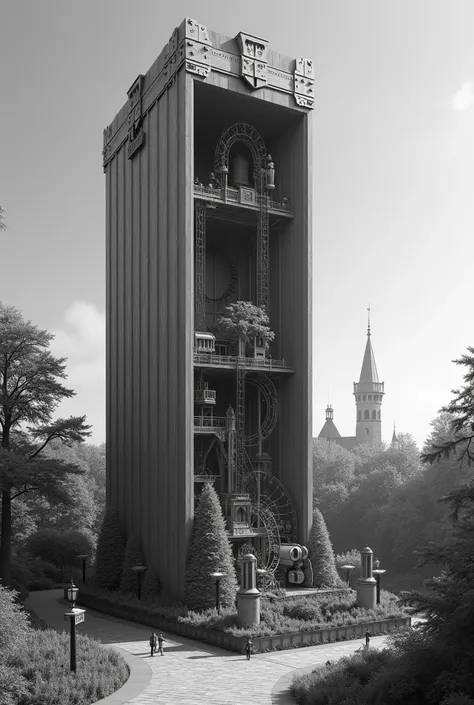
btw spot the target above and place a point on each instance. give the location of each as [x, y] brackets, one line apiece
[248, 135]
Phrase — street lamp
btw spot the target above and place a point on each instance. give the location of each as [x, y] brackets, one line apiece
[378, 572]
[217, 575]
[348, 569]
[75, 616]
[139, 570]
[83, 557]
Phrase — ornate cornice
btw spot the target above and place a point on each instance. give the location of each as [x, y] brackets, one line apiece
[190, 47]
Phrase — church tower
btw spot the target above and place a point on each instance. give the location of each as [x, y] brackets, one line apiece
[368, 393]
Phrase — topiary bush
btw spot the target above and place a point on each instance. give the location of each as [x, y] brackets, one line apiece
[133, 556]
[110, 552]
[321, 554]
[209, 551]
[151, 584]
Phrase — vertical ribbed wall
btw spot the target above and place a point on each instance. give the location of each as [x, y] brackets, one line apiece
[150, 334]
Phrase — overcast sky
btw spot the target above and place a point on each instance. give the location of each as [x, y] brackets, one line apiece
[393, 167]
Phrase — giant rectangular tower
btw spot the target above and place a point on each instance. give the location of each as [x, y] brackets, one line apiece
[200, 216]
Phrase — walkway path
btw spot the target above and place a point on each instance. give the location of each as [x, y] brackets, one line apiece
[192, 673]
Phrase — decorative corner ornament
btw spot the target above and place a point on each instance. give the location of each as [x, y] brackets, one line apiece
[197, 48]
[304, 83]
[107, 150]
[136, 136]
[253, 53]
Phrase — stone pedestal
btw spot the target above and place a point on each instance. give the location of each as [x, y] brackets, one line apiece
[366, 586]
[248, 597]
[366, 593]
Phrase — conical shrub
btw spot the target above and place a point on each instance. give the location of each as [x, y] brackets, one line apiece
[321, 554]
[133, 556]
[110, 552]
[151, 584]
[210, 551]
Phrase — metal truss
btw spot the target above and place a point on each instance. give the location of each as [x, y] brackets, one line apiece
[200, 267]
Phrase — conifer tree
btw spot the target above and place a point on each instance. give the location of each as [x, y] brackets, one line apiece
[210, 551]
[110, 552]
[133, 556]
[321, 554]
[151, 584]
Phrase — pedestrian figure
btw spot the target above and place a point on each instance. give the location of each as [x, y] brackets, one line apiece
[160, 643]
[248, 648]
[367, 640]
[153, 643]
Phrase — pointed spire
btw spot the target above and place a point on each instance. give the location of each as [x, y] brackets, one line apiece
[368, 372]
[394, 436]
[368, 321]
[329, 413]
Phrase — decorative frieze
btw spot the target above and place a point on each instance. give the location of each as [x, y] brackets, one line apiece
[136, 136]
[304, 83]
[253, 53]
[197, 48]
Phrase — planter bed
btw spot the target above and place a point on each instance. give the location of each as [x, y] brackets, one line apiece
[236, 643]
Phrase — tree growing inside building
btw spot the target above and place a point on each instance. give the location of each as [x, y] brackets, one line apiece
[244, 322]
[209, 552]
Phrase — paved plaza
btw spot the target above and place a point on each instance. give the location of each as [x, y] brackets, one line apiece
[191, 672]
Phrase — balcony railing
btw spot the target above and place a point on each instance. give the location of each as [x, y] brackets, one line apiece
[268, 363]
[209, 423]
[205, 396]
[244, 196]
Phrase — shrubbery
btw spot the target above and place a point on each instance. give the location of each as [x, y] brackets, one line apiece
[209, 551]
[321, 554]
[59, 549]
[44, 663]
[110, 552]
[34, 665]
[133, 556]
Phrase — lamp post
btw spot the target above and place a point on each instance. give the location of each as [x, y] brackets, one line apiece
[75, 616]
[348, 569]
[217, 575]
[378, 572]
[139, 570]
[83, 557]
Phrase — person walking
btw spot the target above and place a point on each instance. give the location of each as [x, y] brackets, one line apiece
[248, 648]
[160, 643]
[367, 640]
[153, 643]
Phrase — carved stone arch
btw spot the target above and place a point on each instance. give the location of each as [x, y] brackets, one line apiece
[248, 135]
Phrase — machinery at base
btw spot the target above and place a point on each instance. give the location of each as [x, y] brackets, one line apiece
[294, 567]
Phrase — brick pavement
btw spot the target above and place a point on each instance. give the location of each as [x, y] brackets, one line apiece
[192, 673]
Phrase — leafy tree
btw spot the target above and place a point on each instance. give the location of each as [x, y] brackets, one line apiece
[151, 584]
[333, 473]
[30, 391]
[321, 554]
[245, 321]
[461, 411]
[210, 551]
[133, 556]
[110, 552]
[61, 548]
